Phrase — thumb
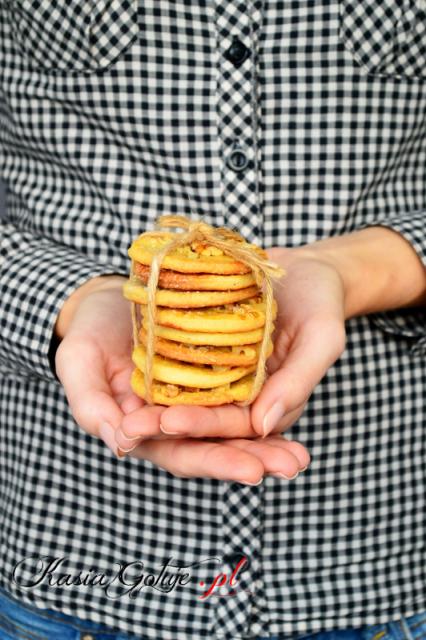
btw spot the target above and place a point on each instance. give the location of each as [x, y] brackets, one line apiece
[80, 365]
[314, 349]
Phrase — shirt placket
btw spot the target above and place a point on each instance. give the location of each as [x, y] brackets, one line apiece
[237, 29]
[235, 605]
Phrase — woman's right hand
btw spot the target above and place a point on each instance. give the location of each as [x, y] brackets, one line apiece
[93, 363]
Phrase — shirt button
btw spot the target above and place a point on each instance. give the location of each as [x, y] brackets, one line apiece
[237, 52]
[87, 636]
[237, 160]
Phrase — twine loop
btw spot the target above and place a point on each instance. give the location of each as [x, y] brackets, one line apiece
[232, 244]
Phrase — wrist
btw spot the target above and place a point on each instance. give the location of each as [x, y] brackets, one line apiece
[378, 267]
[335, 254]
[98, 283]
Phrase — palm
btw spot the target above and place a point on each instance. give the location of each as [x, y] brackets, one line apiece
[309, 336]
[94, 362]
[309, 293]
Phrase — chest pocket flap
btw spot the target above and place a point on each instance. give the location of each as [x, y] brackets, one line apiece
[72, 35]
[386, 37]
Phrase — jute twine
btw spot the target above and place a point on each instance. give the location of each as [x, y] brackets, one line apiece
[232, 244]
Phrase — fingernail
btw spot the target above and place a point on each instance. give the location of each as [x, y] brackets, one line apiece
[107, 434]
[120, 434]
[304, 468]
[282, 475]
[272, 417]
[253, 484]
[126, 444]
[127, 450]
[170, 433]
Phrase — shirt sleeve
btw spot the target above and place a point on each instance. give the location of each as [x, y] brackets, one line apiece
[408, 322]
[36, 277]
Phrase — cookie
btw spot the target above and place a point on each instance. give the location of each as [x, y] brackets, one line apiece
[186, 299]
[195, 282]
[189, 375]
[170, 394]
[244, 316]
[199, 257]
[213, 339]
[237, 356]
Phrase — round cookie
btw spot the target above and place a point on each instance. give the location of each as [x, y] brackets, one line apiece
[186, 299]
[245, 316]
[241, 356]
[169, 394]
[195, 282]
[202, 338]
[199, 257]
[189, 375]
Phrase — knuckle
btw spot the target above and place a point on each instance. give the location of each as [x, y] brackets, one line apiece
[176, 461]
[213, 455]
[297, 390]
[340, 334]
[83, 414]
[66, 347]
[334, 334]
[79, 416]
[339, 340]
[180, 475]
[176, 470]
[60, 357]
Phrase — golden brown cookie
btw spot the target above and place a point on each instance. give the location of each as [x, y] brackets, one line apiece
[199, 257]
[244, 316]
[170, 394]
[213, 339]
[195, 282]
[186, 299]
[241, 356]
[189, 375]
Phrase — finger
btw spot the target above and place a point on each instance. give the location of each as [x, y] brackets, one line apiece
[281, 345]
[121, 389]
[316, 347]
[127, 400]
[276, 460]
[142, 423]
[80, 368]
[288, 420]
[189, 458]
[296, 448]
[130, 403]
[183, 421]
[226, 421]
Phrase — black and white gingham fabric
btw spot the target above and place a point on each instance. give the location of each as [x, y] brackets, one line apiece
[386, 40]
[115, 112]
[237, 108]
[73, 36]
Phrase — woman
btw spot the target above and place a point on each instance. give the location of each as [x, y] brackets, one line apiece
[302, 125]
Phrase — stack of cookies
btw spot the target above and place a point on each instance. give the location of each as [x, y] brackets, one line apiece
[209, 323]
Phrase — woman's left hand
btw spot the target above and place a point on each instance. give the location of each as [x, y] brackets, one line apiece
[309, 337]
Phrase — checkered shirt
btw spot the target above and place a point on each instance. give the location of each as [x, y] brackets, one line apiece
[291, 121]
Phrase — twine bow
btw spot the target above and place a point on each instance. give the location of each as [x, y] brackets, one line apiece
[232, 244]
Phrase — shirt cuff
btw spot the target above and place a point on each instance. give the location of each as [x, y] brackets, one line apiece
[406, 322]
[36, 277]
